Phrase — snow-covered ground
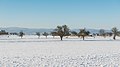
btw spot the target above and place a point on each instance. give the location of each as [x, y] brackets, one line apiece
[51, 52]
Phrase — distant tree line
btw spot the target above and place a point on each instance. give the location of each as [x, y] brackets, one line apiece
[3, 32]
[64, 30]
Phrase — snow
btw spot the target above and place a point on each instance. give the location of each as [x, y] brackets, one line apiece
[51, 52]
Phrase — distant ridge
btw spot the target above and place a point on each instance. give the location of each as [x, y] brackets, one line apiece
[41, 30]
[25, 30]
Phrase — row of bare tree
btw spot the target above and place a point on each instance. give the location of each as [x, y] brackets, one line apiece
[65, 31]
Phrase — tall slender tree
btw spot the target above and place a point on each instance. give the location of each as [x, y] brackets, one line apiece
[62, 31]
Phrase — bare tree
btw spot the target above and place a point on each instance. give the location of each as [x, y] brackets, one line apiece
[74, 33]
[102, 32]
[38, 34]
[45, 34]
[53, 34]
[21, 34]
[83, 33]
[3, 32]
[115, 32]
[62, 31]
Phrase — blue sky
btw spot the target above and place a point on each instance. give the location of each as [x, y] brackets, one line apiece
[50, 13]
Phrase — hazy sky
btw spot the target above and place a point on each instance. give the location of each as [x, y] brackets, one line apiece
[50, 13]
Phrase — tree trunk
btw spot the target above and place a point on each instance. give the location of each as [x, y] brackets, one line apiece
[61, 37]
[114, 37]
[38, 37]
[83, 37]
[53, 36]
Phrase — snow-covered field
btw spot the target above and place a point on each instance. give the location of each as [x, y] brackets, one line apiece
[51, 52]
